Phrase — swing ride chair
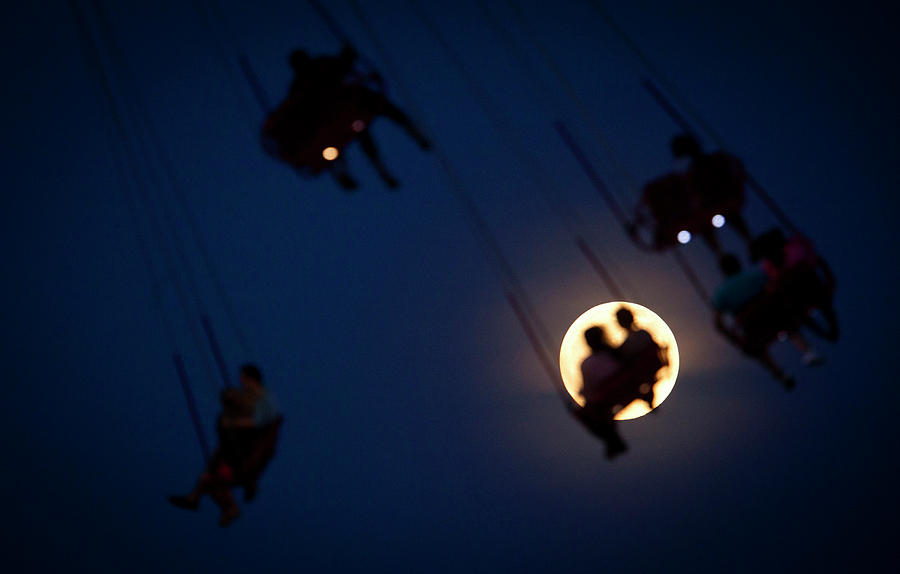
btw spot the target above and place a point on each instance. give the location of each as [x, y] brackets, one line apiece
[312, 151]
[633, 381]
[781, 310]
[677, 206]
[246, 470]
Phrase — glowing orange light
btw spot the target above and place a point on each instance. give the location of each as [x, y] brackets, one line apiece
[330, 153]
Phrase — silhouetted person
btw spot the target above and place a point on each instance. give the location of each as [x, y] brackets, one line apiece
[667, 203]
[717, 181]
[247, 413]
[324, 82]
[599, 372]
[794, 266]
[322, 75]
[636, 341]
[759, 316]
[642, 355]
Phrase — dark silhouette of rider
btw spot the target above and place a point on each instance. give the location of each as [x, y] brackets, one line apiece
[598, 372]
[642, 355]
[717, 179]
[750, 316]
[793, 265]
[246, 412]
[321, 81]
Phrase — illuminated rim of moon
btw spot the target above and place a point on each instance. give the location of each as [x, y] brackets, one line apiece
[575, 350]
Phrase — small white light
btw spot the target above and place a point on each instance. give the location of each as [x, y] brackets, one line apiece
[684, 236]
[358, 125]
[718, 220]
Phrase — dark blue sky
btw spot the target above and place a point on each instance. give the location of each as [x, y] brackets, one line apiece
[421, 433]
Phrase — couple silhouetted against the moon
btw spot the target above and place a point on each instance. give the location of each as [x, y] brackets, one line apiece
[613, 377]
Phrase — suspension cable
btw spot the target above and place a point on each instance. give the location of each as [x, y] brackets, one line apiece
[91, 54]
[569, 220]
[516, 295]
[516, 54]
[632, 186]
[176, 190]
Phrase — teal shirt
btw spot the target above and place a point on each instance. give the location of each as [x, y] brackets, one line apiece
[738, 290]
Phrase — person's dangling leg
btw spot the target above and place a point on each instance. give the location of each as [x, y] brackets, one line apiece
[614, 443]
[191, 501]
[218, 486]
[221, 494]
[834, 330]
[381, 106]
[770, 365]
[342, 174]
[811, 357]
[371, 151]
[607, 432]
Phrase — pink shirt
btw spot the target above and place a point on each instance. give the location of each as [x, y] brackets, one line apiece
[798, 250]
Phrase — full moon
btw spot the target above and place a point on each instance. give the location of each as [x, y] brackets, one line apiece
[575, 350]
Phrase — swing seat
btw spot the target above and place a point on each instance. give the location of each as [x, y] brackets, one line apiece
[249, 452]
[633, 381]
[262, 451]
[298, 131]
[764, 319]
[805, 288]
[802, 272]
[688, 202]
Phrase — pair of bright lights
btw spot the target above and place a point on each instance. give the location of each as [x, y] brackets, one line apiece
[684, 236]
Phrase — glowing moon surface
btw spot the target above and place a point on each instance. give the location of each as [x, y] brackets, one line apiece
[575, 350]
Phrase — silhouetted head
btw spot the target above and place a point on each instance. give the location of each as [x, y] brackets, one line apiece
[685, 145]
[596, 339]
[625, 317]
[298, 59]
[730, 264]
[251, 377]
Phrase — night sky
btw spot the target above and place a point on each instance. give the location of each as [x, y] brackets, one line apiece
[421, 433]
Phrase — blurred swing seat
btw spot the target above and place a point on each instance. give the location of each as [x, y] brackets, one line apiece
[633, 381]
[300, 132]
[245, 453]
[689, 201]
[781, 309]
